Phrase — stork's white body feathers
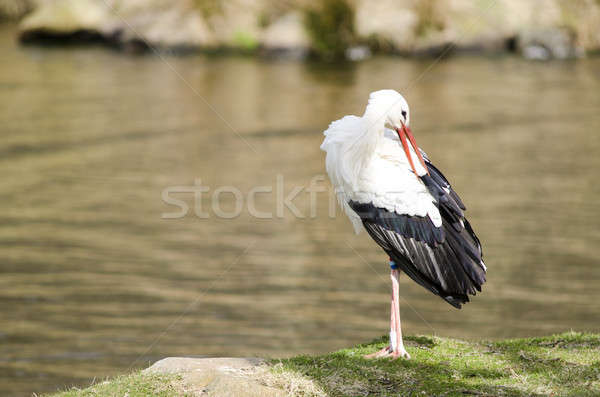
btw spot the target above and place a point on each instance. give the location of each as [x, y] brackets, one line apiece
[372, 168]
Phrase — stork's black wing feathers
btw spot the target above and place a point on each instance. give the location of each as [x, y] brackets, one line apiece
[417, 227]
[446, 260]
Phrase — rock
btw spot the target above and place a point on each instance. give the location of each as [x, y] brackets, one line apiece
[544, 44]
[536, 53]
[584, 21]
[427, 27]
[157, 24]
[161, 24]
[235, 24]
[14, 9]
[392, 23]
[63, 18]
[358, 53]
[174, 365]
[286, 37]
[540, 29]
[216, 377]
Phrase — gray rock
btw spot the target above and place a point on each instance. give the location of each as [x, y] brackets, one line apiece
[544, 44]
[216, 377]
[401, 26]
[14, 9]
[64, 17]
[172, 365]
[286, 31]
[391, 22]
[358, 53]
[536, 53]
[147, 22]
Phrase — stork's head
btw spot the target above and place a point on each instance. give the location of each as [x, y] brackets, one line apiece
[389, 109]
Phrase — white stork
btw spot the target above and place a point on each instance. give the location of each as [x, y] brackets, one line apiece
[388, 186]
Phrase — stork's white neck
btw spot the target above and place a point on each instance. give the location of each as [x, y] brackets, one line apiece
[360, 148]
[390, 147]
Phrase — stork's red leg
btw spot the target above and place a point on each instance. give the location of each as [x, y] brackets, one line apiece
[386, 351]
[398, 349]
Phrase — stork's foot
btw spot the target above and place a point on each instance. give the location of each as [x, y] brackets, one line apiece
[400, 353]
[385, 352]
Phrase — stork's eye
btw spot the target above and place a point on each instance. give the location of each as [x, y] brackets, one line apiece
[404, 114]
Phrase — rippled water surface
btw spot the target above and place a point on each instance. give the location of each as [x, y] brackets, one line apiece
[95, 281]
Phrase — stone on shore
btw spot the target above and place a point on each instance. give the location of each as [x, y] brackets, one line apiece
[286, 37]
[14, 9]
[64, 17]
[216, 377]
[545, 44]
[538, 29]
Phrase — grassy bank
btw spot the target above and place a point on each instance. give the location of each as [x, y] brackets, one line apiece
[560, 365]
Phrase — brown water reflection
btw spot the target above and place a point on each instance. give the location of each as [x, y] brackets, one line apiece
[92, 276]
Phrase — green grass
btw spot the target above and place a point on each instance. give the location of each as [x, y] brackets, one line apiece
[560, 365]
[134, 385]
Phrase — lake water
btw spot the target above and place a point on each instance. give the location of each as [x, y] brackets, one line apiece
[95, 281]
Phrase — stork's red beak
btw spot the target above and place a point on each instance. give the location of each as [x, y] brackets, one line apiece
[406, 135]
